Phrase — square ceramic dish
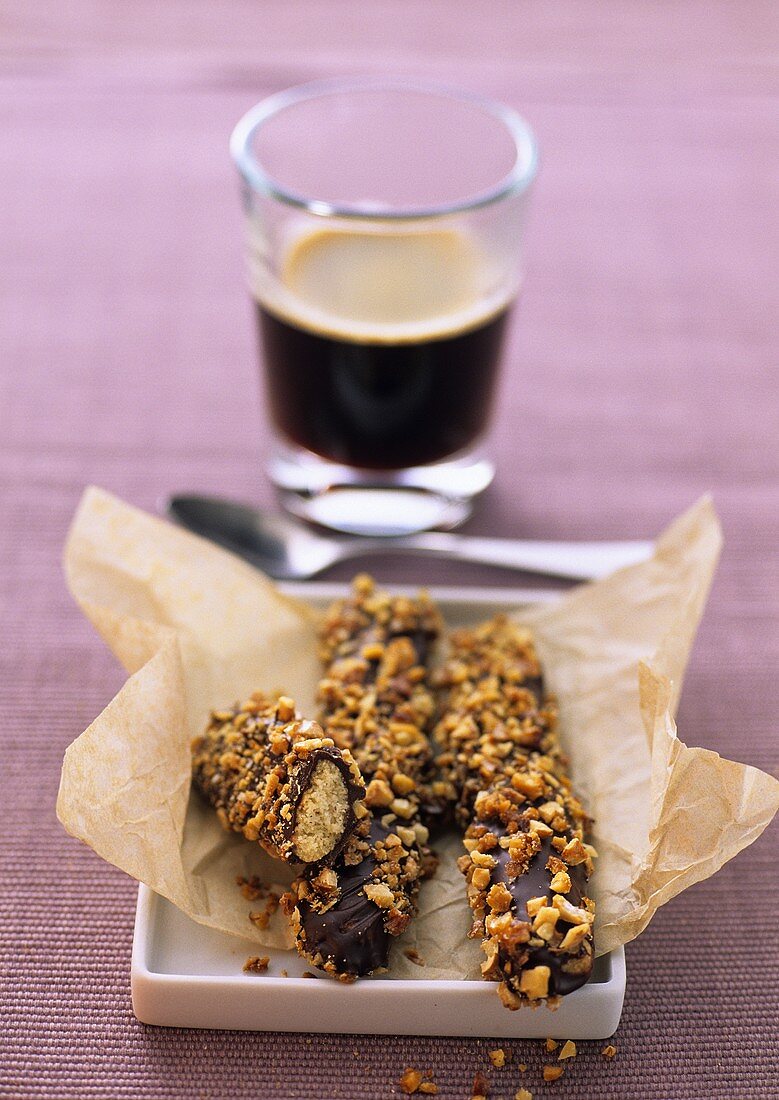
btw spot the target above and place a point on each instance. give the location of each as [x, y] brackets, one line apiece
[187, 975]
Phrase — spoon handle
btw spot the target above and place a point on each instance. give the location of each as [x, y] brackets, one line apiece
[573, 560]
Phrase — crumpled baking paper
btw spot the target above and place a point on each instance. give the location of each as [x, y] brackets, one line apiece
[197, 628]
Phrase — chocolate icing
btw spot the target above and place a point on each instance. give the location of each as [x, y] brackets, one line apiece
[501, 753]
[351, 934]
[534, 883]
[374, 647]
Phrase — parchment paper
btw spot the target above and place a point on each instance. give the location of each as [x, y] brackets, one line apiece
[197, 628]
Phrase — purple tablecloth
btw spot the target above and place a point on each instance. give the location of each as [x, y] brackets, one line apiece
[640, 373]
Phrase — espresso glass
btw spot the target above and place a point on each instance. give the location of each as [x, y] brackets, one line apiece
[385, 225]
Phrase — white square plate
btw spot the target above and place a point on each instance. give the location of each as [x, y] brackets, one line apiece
[187, 975]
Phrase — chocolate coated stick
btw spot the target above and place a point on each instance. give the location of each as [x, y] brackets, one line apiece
[375, 701]
[277, 779]
[527, 864]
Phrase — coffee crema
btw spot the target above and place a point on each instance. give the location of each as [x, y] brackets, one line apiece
[381, 348]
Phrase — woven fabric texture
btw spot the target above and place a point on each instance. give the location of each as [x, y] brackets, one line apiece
[640, 373]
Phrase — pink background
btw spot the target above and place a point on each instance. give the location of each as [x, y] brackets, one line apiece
[641, 373]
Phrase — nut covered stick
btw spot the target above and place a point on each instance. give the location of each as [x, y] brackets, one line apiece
[277, 779]
[527, 864]
[375, 701]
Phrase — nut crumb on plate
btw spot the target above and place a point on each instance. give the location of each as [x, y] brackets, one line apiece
[251, 888]
[256, 964]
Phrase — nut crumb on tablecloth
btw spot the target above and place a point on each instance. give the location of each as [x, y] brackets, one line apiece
[609, 1051]
[498, 1058]
[553, 1073]
[523, 1094]
[481, 1087]
[551, 1044]
[568, 1051]
[413, 1081]
[410, 1080]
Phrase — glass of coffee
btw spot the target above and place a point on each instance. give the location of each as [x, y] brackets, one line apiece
[385, 224]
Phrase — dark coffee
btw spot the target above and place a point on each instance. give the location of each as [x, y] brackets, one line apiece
[393, 388]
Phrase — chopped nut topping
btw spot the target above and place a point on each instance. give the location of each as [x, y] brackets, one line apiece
[378, 793]
[499, 898]
[561, 882]
[490, 969]
[574, 852]
[574, 937]
[380, 894]
[508, 998]
[571, 913]
[481, 878]
[534, 904]
[402, 783]
[545, 915]
[531, 786]
[534, 983]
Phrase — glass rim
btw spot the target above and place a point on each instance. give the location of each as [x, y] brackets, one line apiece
[515, 181]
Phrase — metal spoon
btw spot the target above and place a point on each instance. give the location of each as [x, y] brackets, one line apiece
[286, 550]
